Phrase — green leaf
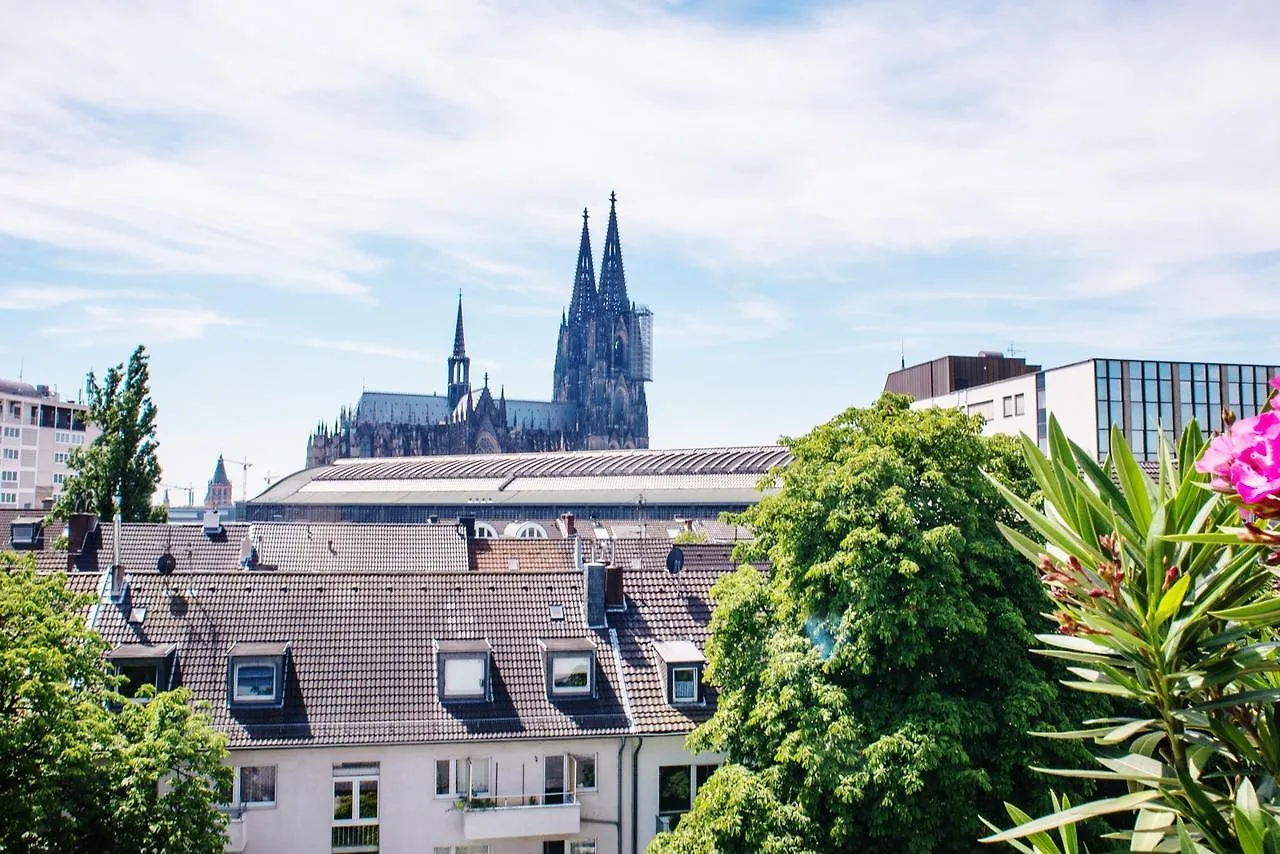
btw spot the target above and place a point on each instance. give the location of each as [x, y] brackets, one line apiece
[1257, 614]
[1172, 600]
[1093, 809]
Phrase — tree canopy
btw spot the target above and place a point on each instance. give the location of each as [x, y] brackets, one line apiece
[122, 460]
[81, 768]
[875, 689]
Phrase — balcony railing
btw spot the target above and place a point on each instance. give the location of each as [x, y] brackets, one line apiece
[516, 816]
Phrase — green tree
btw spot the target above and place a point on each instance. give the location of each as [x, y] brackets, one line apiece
[122, 460]
[76, 775]
[876, 688]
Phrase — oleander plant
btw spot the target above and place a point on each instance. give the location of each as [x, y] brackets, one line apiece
[1165, 599]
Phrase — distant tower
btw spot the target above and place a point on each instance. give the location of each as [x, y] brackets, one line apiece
[459, 364]
[219, 494]
[604, 357]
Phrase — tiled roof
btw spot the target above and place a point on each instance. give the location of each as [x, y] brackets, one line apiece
[529, 555]
[362, 663]
[314, 547]
[362, 658]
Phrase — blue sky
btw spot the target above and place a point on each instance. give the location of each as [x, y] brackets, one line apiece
[282, 199]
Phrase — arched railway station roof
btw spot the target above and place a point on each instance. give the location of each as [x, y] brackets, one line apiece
[727, 476]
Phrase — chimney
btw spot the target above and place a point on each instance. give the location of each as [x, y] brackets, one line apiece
[595, 578]
[613, 598]
[566, 520]
[468, 524]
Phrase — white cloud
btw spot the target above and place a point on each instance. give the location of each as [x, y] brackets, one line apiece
[367, 348]
[39, 297]
[747, 319]
[208, 142]
[96, 324]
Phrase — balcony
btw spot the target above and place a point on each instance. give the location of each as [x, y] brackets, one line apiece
[518, 816]
[237, 837]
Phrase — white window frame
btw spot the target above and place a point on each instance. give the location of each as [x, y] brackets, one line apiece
[578, 758]
[582, 846]
[238, 697]
[1007, 405]
[460, 849]
[575, 690]
[677, 668]
[448, 693]
[1019, 404]
[237, 788]
[8, 498]
[356, 777]
[12, 433]
[11, 454]
[458, 768]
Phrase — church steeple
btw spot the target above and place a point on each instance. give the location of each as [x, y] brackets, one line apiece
[459, 364]
[613, 281]
[583, 302]
[459, 339]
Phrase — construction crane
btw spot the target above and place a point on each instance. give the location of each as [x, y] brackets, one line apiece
[188, 489]
[245, 465]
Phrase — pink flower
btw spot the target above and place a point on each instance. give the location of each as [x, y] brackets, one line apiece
[1246, 459]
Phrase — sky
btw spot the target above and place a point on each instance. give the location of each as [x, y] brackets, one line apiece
[282, 200]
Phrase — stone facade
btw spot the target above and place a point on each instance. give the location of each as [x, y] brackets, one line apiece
[603, 361]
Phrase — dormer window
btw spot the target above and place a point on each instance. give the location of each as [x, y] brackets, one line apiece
[143, 664]
[570, 667]
[256, 674]
[683, 662]
[463, 670]
[26, 534]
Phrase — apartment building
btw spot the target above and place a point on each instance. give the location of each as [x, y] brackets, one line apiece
[413, 688]
[1141, 397]
[38, 430]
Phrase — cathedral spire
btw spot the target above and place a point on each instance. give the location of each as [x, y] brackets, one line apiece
[459, 364]
[459, 340]
[583, 303]
[613, 281]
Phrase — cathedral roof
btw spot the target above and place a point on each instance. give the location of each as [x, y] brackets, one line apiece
[613, 280]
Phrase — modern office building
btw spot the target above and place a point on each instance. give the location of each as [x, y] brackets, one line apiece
[38, 430]
[1141, 397]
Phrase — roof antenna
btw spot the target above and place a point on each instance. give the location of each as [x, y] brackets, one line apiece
[902, 349]
[22, 365]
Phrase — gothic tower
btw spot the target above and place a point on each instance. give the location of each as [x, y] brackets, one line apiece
[603, 360]
[459, 364]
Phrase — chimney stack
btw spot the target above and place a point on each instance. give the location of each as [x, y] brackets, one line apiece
[566, 520]
[468, 524]
[594, 611]
[613, 598]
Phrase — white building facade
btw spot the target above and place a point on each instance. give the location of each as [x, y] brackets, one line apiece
[38, 431]
[1141, 397]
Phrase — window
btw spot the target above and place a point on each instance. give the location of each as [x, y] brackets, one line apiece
[985, 408]
[684, 684]
[461, 849]
[463, 670]
[62, 438]
[1019, 404]
[678, 785]
[1008, 407]
[255, 681]
[458, 777]
[12, 432]
[10, 453]
[254, 784]
[684, 662]
[464, 677]
[571, 674]
[59, 479]
[142, 665]
[15, 410]
[569, 846]
[256, 673]
[355, 808]
[8, 498]
[61, 457]
[8, 476]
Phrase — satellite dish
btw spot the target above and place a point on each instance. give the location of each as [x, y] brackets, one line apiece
[166, 564]
[675, 560]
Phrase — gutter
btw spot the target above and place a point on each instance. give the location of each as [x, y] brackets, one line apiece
[631, 725]
[635, 794]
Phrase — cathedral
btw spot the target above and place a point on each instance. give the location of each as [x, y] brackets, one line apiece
[604, 356]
